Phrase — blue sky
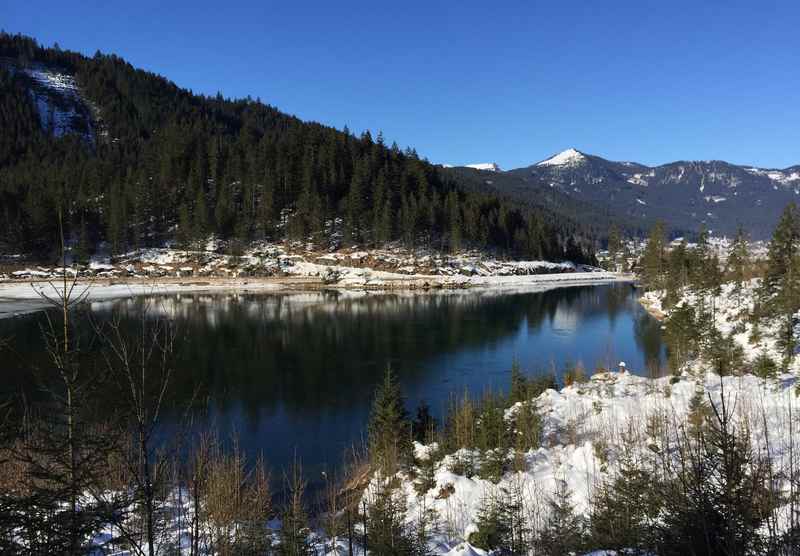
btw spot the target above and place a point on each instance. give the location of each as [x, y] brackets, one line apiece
[463, 81]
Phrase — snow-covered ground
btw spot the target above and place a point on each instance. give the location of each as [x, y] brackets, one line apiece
[276, 259]
[730, 311]
[266, 266]
[20, 297]
[582, 429]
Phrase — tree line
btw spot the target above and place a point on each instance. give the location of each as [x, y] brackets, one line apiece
[162, 163]
[696, 276]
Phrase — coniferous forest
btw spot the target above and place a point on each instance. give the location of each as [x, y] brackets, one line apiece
[152, 162]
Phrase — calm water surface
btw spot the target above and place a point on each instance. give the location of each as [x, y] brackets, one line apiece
[294, 373]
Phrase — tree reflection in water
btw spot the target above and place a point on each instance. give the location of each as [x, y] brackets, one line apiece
[297, 371]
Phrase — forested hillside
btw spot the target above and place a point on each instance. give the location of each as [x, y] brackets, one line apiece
[133, 160]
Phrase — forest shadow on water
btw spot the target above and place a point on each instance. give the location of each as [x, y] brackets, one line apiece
[293, 374]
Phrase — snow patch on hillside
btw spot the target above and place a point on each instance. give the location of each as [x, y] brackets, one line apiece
[61, 107]
[784, 178]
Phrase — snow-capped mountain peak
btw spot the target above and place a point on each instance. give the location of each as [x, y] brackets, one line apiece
[569, 157]
[490, 166]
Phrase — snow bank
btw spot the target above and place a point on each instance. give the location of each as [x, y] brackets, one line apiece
[582, 427]
[730, 317]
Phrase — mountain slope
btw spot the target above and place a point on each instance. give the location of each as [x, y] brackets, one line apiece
[130, 159]
[685, 194]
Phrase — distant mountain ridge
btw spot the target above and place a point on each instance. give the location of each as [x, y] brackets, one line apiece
[685, 194]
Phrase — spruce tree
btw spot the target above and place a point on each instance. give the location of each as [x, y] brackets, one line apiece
[389, 532]
[389, 428]
[493, 530]
[564, 531]
[355, 203]
[614, 248]
[738, 263]
[454, 221]
[677, 274]
[200, 215]
[623, 510]
[653, 258]
[184, 227]
[780, 289]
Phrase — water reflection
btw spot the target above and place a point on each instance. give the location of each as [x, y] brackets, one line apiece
[295, 372]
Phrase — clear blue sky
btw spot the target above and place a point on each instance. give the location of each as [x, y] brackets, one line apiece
[464, 81]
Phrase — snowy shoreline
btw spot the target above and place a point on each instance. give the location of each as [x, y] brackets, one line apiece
[23, 297]
[653, 307]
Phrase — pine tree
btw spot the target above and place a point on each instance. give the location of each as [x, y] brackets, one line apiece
[653, 258]
[622, 513]
[783, 248]
[389, 429]
[738, 263]
[389, 532]
[680, 335]
[564, 531]
[200, 224]
[715, 499]
[115, 226]
[184, 227]
[677, 274]
[355, 203]
[492, 529]
[699, 262]
[454, 221]
[780, 289]
[381, 226]
[614, 248]
[294, 532]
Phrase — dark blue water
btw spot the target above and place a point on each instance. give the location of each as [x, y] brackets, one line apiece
[293, 374]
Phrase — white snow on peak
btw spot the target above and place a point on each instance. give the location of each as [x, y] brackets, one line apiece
[569, 157]
[490, 166]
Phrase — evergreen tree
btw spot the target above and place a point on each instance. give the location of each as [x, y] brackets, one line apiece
[653, 259]
[492, 528]
[389, 429]
[295, 532]
[698, 263]
[614, 248]
[564, 531]
[355, 203]
[381, 214]
[716, 501]
[622, 513]
[738, 263]
[200, 223]
[184, 227]
[680, 335]
[454, 221]
[677, 274]
[389, 532]
[780, 290]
